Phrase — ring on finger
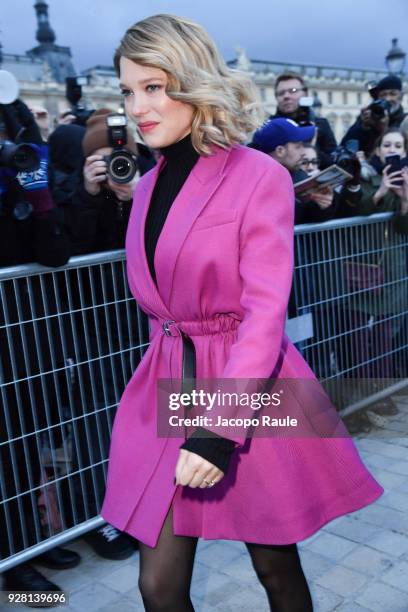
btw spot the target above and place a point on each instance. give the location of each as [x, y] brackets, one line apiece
[210, 483]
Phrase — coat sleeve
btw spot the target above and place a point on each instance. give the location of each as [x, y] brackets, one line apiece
[266, 269]
[326, 141]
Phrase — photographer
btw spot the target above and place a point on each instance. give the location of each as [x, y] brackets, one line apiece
[98, 214]
[31, 229]
[385, 111]
[293, 102]
[101, 206]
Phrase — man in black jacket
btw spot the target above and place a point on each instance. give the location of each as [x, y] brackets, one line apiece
[289, 89]
[370, 125]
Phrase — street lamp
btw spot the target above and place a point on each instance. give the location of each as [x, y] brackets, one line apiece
[395, 58]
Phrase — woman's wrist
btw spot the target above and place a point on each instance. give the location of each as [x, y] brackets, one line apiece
[91, 188]
[379, 194]
[404, 206]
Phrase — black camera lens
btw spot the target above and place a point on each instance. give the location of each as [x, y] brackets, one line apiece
[21, 157]
[122, 166]
[25, 158]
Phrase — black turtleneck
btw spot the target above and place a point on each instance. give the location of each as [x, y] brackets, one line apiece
[180, 160]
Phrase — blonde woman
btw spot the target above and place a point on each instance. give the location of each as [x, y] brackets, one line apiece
[209, 249]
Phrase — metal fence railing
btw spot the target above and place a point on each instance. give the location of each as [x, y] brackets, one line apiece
[71, 337]
[350, 285]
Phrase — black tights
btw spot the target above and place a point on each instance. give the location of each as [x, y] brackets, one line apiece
[166, 570]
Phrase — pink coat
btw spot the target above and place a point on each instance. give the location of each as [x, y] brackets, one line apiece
[224, 272]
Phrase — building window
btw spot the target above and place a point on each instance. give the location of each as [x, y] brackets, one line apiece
[359, 98]
[346, 120]
[345, 97]
[329, 97]
[332, 119]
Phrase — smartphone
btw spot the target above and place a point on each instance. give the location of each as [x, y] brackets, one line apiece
[396, 164]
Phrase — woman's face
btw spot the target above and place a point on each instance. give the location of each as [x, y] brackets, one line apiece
[309, 162]
[160, 120]
[391, 144]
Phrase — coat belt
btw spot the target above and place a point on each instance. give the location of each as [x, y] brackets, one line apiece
[189, 368]
[222, 323]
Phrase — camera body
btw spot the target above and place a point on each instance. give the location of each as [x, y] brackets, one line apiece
[73, 93]
[345, 157]
[379, 109]
[121, 164]
[305, 115]
[15, 158]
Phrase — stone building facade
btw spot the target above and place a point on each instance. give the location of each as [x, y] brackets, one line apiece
[342, 92]
[41, 73]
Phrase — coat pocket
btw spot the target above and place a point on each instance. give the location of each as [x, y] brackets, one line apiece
[220, 218]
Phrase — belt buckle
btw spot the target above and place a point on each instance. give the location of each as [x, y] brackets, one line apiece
[166, 328]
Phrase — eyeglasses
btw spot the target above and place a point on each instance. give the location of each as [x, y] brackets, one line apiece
[291, 90]
[309, 162]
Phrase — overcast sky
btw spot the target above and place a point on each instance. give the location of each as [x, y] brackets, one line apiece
[330, 32]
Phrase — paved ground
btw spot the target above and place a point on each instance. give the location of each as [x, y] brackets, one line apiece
[354, 564]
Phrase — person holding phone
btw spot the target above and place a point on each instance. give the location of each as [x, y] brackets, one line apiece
[383, 188]
[384, 177]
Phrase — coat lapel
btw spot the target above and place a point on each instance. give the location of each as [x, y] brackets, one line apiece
[137, 251]
[202, 182]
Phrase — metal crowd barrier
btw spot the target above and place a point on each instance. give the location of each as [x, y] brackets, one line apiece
[71, 338]
[350, 293]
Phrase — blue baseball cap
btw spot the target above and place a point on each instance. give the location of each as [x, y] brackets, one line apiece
[280, 131]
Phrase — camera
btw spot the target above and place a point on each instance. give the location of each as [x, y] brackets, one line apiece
[73, 93]
[305, 115]
[379, 109]
[122, 164]
[20, 157]
[345, 156]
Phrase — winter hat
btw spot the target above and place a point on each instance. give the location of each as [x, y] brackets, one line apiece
[97, 134]
[391, 81]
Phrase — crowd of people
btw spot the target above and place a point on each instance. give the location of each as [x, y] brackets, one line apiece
[72, 205]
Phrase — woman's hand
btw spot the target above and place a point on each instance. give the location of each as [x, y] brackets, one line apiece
[124, 191]
[94, 173]
[323, 197]
[404, 192]
[388, 184]
[192, 470]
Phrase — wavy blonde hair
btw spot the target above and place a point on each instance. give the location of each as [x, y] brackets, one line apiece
[226, 104]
